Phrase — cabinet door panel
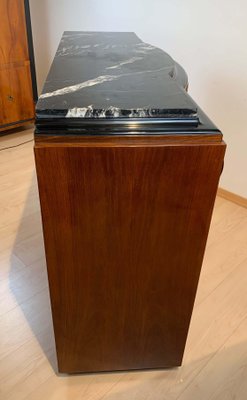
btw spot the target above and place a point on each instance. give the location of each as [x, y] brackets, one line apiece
[16, 94]
[13, 40]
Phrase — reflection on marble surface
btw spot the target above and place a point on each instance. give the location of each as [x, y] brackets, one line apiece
[113, 75]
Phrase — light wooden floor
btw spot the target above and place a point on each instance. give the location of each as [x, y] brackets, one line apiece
[215, 362]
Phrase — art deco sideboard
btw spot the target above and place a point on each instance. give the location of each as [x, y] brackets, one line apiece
[128, 167]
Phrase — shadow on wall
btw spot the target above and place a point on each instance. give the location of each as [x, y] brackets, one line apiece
[41, 39]
[227, 112]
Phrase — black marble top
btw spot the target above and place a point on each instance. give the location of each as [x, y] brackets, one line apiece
[114, 80]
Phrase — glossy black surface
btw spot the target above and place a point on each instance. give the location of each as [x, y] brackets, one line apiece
[113, 82]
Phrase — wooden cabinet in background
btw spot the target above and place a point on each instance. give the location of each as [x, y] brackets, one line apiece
[18, 91]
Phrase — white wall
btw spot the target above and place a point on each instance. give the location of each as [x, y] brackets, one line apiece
[208, 37]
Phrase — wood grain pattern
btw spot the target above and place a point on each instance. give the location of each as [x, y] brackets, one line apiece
[16, 95]
[125, 230]
[13, 42]
[128, 140]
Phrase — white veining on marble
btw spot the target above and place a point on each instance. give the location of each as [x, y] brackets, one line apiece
[144, 48]
[78, 34]
[73, 50]
[83, 50]
[93, 82]
[79, 86]
[139, 112]
[110, 112]
[77, 112]
[130, 61]
[65, 50]
[115, 111]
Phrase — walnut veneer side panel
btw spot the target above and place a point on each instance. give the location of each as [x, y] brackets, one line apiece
[125, 230]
